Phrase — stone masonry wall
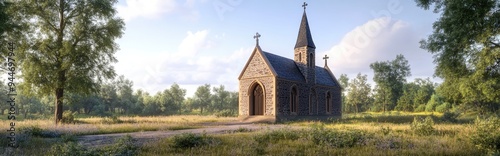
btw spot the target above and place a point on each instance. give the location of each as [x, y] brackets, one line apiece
[256, 72]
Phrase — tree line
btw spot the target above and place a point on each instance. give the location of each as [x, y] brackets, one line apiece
[117, 97]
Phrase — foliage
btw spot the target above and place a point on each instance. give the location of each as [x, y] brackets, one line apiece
[276, 135]
[423, 127]
[359, 93]
[190, 140]
[390, 77]
[226, 113]
[467, 51]
[443, 107]
[69, 149]
[65, 46]
[450, 116]
[337, 138]
[202, 97]
[433, 103]
[487, 135]
[68, 117]
[122, 146]
[420, 108]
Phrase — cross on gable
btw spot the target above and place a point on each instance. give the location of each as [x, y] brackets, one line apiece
[304, 5]
[256, 37]
[326, 59]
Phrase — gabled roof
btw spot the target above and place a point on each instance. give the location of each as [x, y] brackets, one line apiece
[304, 38]
[286, 68]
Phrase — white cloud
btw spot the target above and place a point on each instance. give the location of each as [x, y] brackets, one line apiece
[145, 8]
[188, 66]
[379, 39]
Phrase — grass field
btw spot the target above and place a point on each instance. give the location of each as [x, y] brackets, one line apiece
[392, 133]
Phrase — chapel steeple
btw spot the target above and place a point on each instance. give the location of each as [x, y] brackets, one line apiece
[304, 38]
[304, 52]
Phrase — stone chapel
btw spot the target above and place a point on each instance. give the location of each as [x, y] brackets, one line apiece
[277, 88]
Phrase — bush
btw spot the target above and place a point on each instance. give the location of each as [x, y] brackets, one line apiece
[450, 116]
[190, 140]
[423, 127]
[36, 131]
[336, 138]
[68, 117]
[443, 107]
[123, 146]
[69, 149]
[226, 113]
[487, 135]
[276, 135]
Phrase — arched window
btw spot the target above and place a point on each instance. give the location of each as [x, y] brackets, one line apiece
[328, 102]
[294, 100]
[300, 57]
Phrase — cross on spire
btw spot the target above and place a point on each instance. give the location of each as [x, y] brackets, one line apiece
[256, 37]
[304, 5]
[326, 59]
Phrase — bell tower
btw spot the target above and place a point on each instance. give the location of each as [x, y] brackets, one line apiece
[305, 50]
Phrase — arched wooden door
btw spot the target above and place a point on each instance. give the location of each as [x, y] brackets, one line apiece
[257, 104]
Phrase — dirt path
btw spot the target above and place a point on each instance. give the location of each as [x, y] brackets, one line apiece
[149, 136]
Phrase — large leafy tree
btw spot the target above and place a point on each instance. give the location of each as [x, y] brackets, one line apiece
[66, 45]
[390, 77]
[466, 47]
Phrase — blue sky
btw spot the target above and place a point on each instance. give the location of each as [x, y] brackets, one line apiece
[194, 42]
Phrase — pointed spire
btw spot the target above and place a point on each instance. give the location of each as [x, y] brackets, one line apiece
[304, 38]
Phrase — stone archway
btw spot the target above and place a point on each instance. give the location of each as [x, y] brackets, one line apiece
[257, 100]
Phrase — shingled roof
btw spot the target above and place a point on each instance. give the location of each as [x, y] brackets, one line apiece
[287, 69]
[304, 38]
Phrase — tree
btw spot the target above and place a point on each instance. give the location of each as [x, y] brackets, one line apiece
[467, 50]
[124, 90]
[177, 94]
[344, 82]
[359, 94]
[390, 77]
[220, 98]
[66, 45]
[202, 97]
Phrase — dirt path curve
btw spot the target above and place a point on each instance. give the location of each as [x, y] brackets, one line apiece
[149, 136]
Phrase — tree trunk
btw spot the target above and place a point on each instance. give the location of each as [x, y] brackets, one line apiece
[59, 105]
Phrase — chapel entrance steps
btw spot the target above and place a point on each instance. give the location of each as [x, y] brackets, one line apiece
[258, 119]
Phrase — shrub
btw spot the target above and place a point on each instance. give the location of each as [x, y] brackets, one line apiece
[422, 126]
[487, 135]
[276, 135]
[385, 130]
[123, 146]
[69, 149]
[450, 116]
[443, 107]
[226, 113]
[68, 117]
[336, 138]
[190, 140]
